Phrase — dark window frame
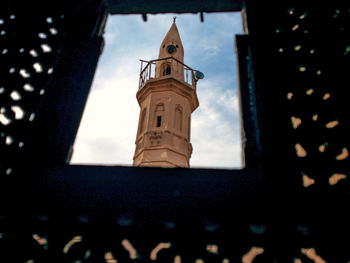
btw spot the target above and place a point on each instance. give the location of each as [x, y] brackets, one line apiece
[159, 121]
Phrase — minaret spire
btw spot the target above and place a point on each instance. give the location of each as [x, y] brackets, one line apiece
[171, 46]
[167, 97]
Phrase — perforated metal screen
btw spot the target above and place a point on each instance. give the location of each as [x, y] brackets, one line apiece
[289, 204]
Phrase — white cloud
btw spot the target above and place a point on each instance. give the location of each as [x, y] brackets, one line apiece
[108, 129]
[215, 128]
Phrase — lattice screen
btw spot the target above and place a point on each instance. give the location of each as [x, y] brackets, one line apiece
[28, 49]
[314, 88]
[302, 63]
[119, 239]
[305, 52]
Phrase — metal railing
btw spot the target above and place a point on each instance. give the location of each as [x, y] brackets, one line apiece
[149, 71]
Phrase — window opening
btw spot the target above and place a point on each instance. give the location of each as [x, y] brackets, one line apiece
[166, 69]
[110, 121]
[158, 114]
[178, 118]
[143, 120]
[189, 127]
[159, 121]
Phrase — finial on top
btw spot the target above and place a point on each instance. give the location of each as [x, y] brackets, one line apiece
[174, 19]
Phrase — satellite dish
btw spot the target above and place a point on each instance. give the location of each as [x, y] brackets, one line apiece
[198, 75]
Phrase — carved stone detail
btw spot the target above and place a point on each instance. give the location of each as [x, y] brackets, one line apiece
[155, 138]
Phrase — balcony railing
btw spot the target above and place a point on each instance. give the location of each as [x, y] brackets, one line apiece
[149, 68]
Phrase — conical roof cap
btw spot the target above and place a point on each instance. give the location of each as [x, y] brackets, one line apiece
[173, 35]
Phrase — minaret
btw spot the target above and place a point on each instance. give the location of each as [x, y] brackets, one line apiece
[167, 97]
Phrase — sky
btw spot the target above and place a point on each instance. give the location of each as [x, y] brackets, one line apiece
[108, 128]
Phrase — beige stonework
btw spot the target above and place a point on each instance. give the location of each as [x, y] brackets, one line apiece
[166, 103]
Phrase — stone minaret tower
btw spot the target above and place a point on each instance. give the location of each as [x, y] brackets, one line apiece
[167, 97]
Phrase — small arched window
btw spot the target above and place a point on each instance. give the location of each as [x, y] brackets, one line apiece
[178, 118]
[166, 69]
[159, 112]
[143, 121]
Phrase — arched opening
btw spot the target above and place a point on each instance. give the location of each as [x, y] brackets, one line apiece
[143, 121]
[189, 128]
[178, 118]
[109, 98]
[159, 112]
[166, 69]
[159, 121]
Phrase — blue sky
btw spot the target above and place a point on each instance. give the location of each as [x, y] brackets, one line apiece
[108, 129]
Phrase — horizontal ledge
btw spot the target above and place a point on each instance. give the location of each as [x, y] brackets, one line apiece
[153, 194]
[181, 6]
[165, 192]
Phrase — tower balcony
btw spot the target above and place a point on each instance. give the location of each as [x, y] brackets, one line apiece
[168, 67]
